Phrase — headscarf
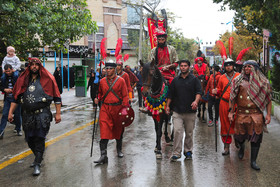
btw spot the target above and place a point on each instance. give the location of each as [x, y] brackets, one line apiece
[259, 90]
[47, 81]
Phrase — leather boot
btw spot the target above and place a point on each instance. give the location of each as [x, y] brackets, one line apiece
[226, 149]
[37, 163]
[119, 148]
[103, 149]
[241, 150]
[37, 170]
[254, 155]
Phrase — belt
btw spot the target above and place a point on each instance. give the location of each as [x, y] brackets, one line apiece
[35, 111]
[112, 104]
[225, 100]
[248, 110]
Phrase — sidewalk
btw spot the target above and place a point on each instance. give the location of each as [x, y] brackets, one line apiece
[69, 100]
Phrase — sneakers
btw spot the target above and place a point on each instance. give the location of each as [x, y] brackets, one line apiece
[174, 158]
[210, 123]
[19, 133]
[188, 155]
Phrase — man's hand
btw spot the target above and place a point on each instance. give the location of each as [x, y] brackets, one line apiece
[230, 116]
[8, 90]
[267, 119]
[96, 101]
[194, 105]
[214, 91]
[10, 117]
[167, 110]
[57, 118]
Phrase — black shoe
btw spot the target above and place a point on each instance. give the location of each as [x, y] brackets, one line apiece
[120, 154]
[102, 160]
[37, 171]
[255, 166]
[226, 150]
[188, 155]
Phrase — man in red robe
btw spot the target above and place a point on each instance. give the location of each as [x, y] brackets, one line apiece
[112, 101]
[125, 76]
[223, 91]
[201, 70]
[165, 56]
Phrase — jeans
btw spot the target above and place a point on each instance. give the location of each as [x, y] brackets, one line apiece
[17, 115]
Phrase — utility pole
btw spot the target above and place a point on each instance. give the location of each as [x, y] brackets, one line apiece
[140, 33]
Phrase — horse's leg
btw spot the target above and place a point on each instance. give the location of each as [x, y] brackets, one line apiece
[158, 128]
[164, 119]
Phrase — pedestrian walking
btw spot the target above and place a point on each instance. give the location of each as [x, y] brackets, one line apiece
[93, 86]
[58, 79]
[183, 97]
[213, 100]
[8, 81]
[251, 92]
[35, 89]
[223, 92]
[113, 95]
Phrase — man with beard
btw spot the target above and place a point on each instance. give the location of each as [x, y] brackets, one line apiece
[201, 70]
[113, 95]
[251, 92]
[35, 89]
[223, 91]
[183, 97]
[165, 56]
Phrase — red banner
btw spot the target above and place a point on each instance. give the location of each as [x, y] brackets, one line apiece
[153, 30]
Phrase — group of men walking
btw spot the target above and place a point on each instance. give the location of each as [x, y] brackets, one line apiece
[239, 100]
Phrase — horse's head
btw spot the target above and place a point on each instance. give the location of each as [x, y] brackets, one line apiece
[147, 76]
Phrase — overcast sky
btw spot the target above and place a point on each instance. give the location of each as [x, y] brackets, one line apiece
[199, 18]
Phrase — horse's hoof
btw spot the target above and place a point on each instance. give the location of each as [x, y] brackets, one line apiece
[155, 150]
[158, 155]
[167, 139]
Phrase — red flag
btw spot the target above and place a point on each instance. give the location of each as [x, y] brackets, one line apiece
[126, 57]
[103, 51]
[242, 53]
[118, 47]
[153, 30]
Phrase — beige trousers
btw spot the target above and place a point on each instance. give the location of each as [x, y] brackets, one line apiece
[183, 123]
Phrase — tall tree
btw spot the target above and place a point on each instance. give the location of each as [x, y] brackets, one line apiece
[256, 16]
[32, 24]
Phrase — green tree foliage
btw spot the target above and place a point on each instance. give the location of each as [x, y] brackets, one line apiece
[256, 16]
[186, 48]
[275, 75]
[31, 24]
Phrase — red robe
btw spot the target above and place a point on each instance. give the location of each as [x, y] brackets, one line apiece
[125, 76]
[210, 84]
[224, 106]
[203, 70]
[107, 114]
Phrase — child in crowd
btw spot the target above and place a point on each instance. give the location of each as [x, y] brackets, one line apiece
[11, 59]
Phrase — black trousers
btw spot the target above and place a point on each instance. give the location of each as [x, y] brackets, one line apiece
[212, 101]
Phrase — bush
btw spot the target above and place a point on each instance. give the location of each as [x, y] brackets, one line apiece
[275, 76]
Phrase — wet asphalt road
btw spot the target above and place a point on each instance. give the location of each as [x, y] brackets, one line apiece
[67, 162]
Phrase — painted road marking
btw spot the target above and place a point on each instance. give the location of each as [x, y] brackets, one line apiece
[28, 152]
